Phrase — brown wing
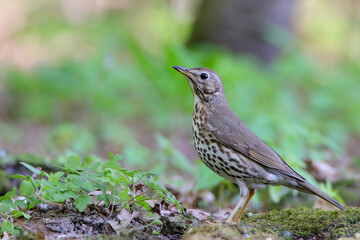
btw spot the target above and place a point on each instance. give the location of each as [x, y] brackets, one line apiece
[231, 132]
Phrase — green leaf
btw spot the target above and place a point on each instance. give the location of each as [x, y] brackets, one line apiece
[102, 188]
[95, 166]
[124, 195]
[31, 168]
[8, 195]
[160, 190]
[32, 201]
[130, 174]
[27, 216]
[81, 182]
[54, 177]
[152, 175]
[7, 227]
[17, 176]
[74, 162]
[43, 174]
[21, 203]
[16, 213]
[6, 205]
[112, 163]
[33, 182]
[143, 203]
[117, 157]
[11, 193]
[26, 188]
[81, 202]
[105, 197]
[156, 221]
[59, 196]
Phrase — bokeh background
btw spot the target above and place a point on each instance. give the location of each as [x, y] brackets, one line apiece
[93, 77]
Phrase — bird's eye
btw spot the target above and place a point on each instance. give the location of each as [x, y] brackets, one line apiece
[204, 76]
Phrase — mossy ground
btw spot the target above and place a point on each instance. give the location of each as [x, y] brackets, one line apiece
[307, 223]
[227, 232]
[300, 223]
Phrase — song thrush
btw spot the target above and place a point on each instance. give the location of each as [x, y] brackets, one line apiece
[230, 149]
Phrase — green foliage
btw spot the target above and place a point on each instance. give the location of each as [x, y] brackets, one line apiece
[286, 105]
[166, 160]
[26, 188]
[205, 178]
[328, 188]
[77, 178]
[301, 108]
[64, 136]
[9, 227]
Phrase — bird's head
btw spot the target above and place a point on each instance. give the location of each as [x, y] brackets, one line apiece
[205, 84]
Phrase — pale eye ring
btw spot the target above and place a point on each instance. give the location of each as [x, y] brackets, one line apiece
[204, 76]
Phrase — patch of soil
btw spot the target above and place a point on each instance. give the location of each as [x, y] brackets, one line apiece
[50, 223]
[53, 222]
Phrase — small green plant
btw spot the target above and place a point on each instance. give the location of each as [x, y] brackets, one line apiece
[72, 185]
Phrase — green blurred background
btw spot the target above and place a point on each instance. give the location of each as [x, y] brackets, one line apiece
[93, 77]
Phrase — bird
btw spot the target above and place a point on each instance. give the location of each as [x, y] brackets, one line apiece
[230, 149]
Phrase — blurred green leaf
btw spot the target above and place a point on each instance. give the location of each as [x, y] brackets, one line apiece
[26, 188]
[74, 162]
[31, 168]
[205, 178]
[7, 227]
[81, 202]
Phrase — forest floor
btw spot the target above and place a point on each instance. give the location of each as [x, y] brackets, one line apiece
[52, 222]
[165, 221]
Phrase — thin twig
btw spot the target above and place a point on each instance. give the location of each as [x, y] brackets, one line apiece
[47, 201]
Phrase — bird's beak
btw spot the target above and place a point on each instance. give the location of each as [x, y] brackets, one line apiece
[184, 71]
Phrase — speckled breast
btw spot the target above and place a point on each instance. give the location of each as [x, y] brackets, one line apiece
[219, 158]
[214, 155]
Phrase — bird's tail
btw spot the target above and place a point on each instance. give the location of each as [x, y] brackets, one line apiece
[307, 187]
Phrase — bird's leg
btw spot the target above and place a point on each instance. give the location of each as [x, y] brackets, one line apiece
[229, 220]
[251, 194]
[244, 192]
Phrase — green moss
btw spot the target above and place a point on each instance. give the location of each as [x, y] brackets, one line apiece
[306, 223]
[227, 232]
